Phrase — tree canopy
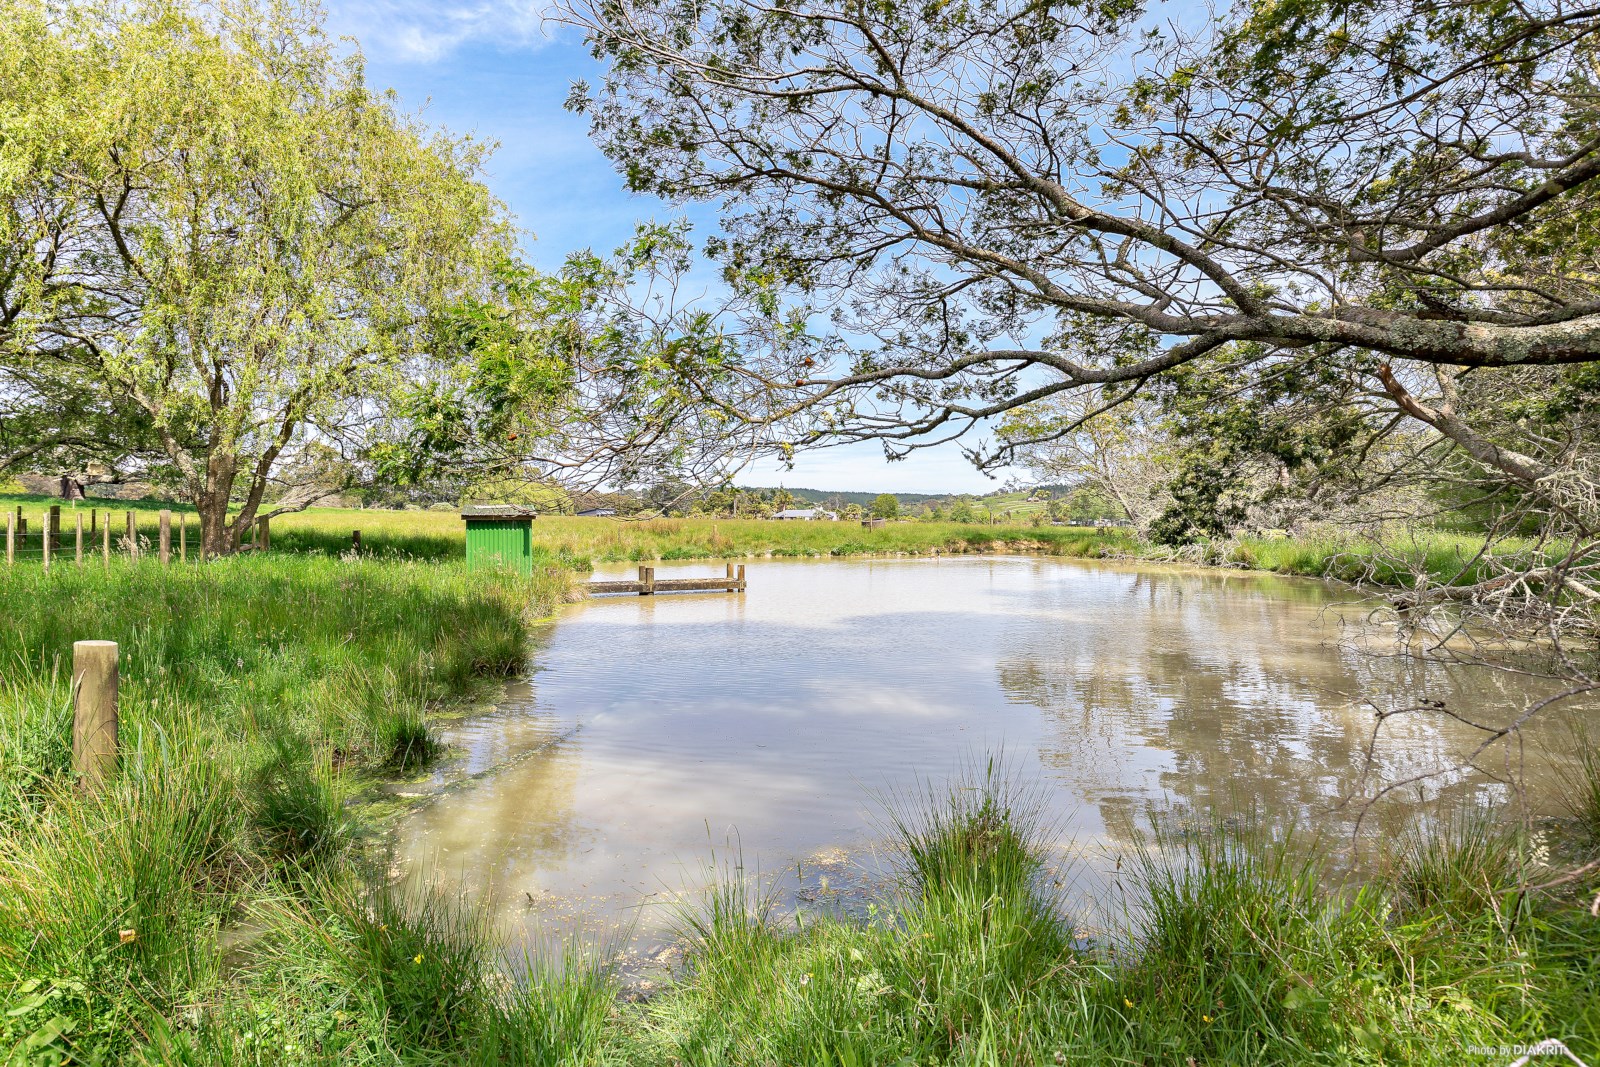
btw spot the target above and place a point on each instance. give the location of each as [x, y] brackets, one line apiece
[214, 229]
[983, 189]
[1313, 235]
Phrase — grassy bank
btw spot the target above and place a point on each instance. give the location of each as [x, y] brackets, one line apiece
[1241, 956]
[256, 695]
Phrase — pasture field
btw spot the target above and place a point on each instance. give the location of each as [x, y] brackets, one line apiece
[438, 534]
[579, 543]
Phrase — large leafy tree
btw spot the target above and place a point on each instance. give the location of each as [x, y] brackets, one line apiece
[217, 245]
[1016, 200]
[1389, 207]
[984, 192]
[579, 376]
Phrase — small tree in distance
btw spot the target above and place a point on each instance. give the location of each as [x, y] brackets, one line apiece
[886, 506]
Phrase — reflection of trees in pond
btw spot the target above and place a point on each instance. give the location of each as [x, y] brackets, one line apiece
[518, 819]
[1227, 693]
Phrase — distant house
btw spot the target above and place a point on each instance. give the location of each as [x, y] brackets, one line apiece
[808, 515]
[594, 512]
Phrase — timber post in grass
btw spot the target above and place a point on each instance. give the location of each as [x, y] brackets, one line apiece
[133, 537]
[183, 538]
[166, 537]
[44, 542]
[263, 534]
[52, 527]
[11, 540]
[355, 540]
[94, 710]
[80, 538]
[94, 522]
[106, 540]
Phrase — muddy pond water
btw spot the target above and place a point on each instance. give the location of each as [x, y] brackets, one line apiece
[656, 738]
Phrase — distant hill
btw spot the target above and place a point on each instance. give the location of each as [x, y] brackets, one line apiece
[839, 497]
[823, 496]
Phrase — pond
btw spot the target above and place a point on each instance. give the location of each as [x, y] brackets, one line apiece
[658, 737]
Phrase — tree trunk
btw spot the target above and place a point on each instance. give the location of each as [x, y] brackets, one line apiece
[217, 538]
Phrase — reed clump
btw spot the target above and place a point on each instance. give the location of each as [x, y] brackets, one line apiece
[1237, 950]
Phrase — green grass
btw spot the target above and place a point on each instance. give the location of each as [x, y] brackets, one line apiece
[438, 535]
[1240, 954]
[255, 695]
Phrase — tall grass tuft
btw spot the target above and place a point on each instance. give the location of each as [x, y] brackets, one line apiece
[1460, 868]
[1583, 786]
[296, 805]
[408, 741]
[982, 837]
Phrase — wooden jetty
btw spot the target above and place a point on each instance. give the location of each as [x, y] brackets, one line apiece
[649, 585]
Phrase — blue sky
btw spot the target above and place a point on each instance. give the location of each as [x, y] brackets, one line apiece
[492, 68]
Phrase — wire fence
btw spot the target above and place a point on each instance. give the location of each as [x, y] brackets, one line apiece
[50, 537]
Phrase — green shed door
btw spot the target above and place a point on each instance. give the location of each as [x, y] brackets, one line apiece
[500, 543]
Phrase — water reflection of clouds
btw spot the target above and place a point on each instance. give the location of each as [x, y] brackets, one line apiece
[782, 716]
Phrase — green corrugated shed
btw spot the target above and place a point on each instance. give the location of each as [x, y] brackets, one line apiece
[499, 535]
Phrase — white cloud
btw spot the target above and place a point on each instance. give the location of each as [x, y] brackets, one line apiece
[415, 31]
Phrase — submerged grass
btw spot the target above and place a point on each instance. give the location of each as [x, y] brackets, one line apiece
[1583, 786]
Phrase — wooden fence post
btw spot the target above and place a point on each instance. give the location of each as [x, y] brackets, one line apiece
[731, 586]
[53, 527]
[355, 540]
[44, 541]
[94, 717]
[80, 538]
[741, 577]
[94, 522]
[183, 538]
[105, 534]
[11, 539]
[263, 534]
[647, 581]
[166, 537]
[133, 537]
